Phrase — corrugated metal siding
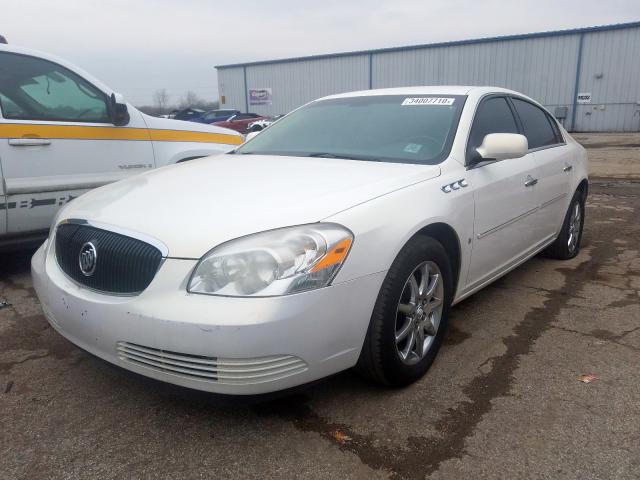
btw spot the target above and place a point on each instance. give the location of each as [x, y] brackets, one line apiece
[231, 87]
[294, 84]
[543, 67]
[613, 56]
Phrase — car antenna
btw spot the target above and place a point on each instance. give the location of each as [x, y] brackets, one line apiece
[2, 39]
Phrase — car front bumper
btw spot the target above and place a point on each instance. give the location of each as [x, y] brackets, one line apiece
[239, 346]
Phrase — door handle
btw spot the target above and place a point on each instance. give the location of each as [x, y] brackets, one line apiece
[530, 181]
[567, 168]
[29, 142]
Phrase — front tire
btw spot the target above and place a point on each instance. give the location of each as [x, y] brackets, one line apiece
[410, 316]
[567, 245]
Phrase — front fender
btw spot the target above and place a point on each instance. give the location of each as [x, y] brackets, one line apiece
[384, 225]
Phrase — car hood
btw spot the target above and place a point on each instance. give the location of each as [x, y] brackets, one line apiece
[194, 206]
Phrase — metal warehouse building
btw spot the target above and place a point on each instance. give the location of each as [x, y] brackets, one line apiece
[588, 77]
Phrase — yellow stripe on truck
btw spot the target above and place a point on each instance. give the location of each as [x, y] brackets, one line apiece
[81, 132]
[186, 136]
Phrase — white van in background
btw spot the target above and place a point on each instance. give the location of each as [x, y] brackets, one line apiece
[62, 132]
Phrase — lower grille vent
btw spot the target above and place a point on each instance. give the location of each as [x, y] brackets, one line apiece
[235, 371]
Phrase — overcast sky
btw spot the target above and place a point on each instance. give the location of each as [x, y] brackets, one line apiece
[139, 46]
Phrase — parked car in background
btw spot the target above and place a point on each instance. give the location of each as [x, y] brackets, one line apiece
[213, 116]
[239, 123]
[263, 123]
[188, 113]
[338, 237]
[63, 132]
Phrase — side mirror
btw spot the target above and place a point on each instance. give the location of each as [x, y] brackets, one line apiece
[501, 146]
[118, 113]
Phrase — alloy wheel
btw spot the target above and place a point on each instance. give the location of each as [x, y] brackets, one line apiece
[575, 223]
[419, 312]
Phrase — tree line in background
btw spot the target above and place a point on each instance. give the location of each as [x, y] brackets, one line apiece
[162, 104]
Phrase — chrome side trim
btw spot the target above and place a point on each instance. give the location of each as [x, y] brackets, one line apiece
[164, 250]
[553, 200]
[507, 223]
[546, 147]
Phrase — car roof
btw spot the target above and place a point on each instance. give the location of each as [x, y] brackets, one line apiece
[425, 90]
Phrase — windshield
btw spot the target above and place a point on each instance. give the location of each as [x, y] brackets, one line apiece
[391, 128]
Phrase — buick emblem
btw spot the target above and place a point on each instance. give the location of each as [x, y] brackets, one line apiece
[88, 259]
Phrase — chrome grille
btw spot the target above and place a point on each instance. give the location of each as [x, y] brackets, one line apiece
[235, 371]
[123, 265]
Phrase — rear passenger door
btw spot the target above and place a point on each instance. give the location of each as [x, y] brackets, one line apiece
[554, 160]
[56, 140]
[504, 194]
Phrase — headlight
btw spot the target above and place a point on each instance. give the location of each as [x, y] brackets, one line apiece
[277, 262]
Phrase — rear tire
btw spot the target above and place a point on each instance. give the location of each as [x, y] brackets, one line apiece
[410, 316]
[567, 245]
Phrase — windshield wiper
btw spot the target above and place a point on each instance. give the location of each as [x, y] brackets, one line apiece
[303, 154]
[332, 155]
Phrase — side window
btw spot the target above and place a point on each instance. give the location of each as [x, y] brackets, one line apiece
[9, 108]
[36, 89]
[556, 129]
[493, 116]
[537, 128]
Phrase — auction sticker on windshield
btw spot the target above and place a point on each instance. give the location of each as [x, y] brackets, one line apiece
[412, 148]
[428, 101]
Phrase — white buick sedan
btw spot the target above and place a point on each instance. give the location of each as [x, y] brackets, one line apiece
[338, 237]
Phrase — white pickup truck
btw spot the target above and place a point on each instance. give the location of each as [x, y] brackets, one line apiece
[62, 132]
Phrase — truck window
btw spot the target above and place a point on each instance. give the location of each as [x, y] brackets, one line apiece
[9, 108]
[36, 89]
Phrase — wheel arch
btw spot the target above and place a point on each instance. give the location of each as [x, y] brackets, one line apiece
[446, 235]
[583, 188]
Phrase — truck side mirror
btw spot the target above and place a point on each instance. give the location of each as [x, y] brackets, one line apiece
[118, 113]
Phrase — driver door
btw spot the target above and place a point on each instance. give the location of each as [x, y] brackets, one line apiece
[505, 196]
[56, 141]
